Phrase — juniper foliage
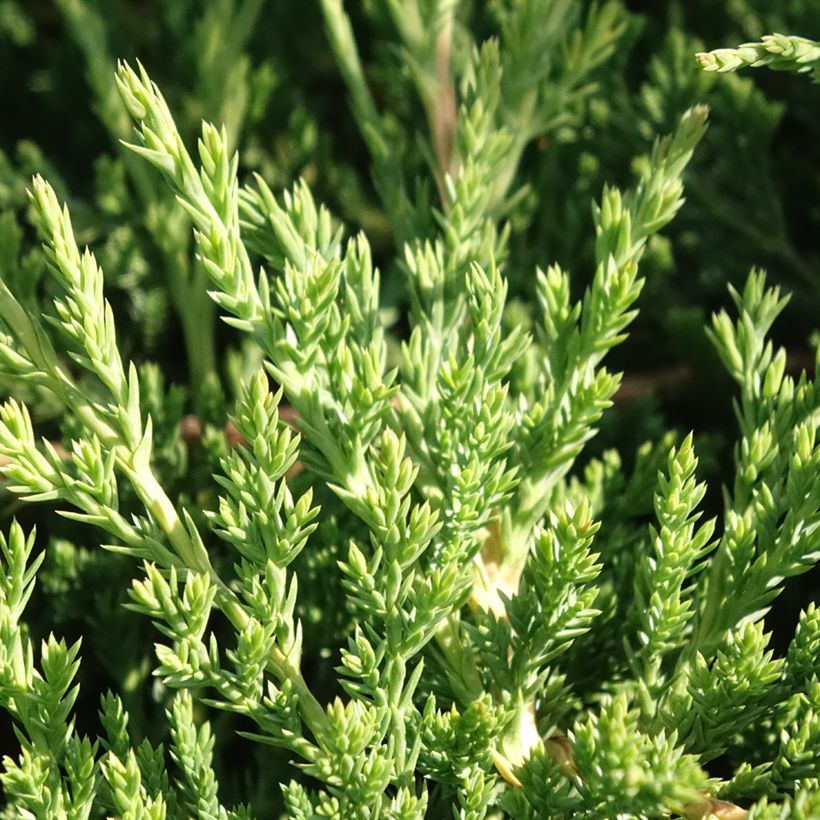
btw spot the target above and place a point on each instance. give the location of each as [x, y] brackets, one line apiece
[509, 637]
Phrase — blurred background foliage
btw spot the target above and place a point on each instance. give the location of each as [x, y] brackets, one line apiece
[264, 68]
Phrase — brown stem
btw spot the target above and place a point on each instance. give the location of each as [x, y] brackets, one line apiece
[712, 807]
[443, 113]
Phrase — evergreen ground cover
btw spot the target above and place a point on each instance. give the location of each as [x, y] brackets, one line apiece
[357, 346]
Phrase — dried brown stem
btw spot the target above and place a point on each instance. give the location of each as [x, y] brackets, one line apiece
[443, 113]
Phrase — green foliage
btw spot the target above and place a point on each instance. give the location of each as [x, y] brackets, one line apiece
[385, 582]
[777, 51]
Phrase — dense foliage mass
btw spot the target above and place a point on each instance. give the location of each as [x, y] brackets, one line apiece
[384, 573]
